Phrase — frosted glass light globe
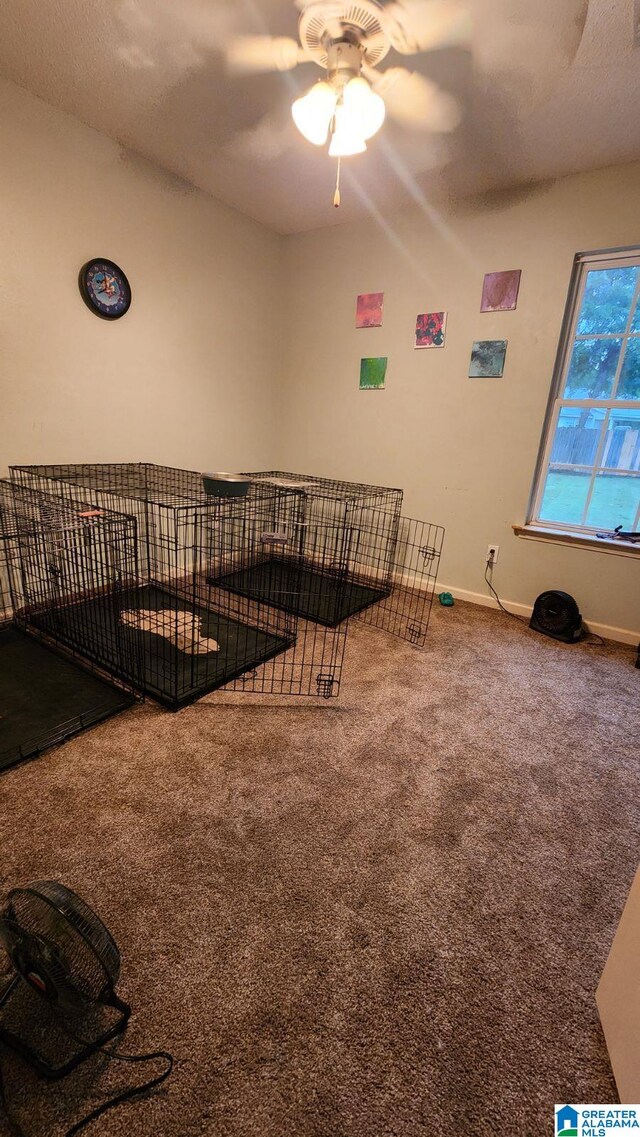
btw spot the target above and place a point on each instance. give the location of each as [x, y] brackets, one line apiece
[361, 101]
[312, 113]
[347, 136]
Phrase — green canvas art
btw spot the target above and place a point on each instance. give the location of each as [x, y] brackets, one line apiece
[372, 374]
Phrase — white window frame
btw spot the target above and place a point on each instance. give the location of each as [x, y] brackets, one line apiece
[583, 264]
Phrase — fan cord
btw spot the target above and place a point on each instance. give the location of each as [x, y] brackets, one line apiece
[520, 619]
[126, 1095]
[336, 196]
[594, 639]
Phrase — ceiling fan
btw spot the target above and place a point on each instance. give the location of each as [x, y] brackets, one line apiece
[523, 44]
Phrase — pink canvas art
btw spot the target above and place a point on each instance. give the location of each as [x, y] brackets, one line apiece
[430, 329]
[500, 291]
[369, 310]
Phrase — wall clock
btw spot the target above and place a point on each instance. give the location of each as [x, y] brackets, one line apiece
[105, 289]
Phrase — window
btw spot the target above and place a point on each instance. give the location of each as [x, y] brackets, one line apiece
[588, 478]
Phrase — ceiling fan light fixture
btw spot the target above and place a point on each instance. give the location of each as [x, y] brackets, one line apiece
[313, 112]
[364, 106]
[347, 137]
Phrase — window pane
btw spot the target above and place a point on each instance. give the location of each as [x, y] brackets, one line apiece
[629, 386]
[607, 299]
[577, 436]
[622, 444]
[635, 323]
[614, 501]
[565, 496]
[592, 369]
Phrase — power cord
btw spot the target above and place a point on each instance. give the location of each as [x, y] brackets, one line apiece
[110, 1103]
[126, 1095]
[594, 639]
[520, 619]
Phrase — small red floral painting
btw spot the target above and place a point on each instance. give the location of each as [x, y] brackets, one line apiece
[369, 310]
[430, 329]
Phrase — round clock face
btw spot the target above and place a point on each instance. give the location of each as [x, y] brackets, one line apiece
[105, 289]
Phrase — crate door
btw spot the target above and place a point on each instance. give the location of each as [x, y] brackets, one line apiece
[305, 578]
[405, 611]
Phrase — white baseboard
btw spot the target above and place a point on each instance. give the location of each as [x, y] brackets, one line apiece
[607, 631]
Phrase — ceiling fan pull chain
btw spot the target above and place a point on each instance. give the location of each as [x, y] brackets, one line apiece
[336, 196]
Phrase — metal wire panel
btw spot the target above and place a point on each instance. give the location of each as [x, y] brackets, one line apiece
[145, 482]
[311, 667]
[9, 574]
[329, 487]
[406, 610]
[285, 577]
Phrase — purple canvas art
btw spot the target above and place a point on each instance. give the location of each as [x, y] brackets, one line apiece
[500, 291]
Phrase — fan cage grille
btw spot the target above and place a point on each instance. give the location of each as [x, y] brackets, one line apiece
[88, 955]
[556, 611]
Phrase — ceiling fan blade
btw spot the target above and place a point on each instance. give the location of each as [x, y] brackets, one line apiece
[425, 25]
[415, 101]
[247, 54]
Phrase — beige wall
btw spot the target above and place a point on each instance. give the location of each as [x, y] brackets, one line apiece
[463, 450]
[186, 376]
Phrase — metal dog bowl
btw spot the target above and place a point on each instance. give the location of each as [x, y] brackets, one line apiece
[225, 485]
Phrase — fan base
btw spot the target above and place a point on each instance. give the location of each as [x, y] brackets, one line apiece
[39, 1063]
[572, 636]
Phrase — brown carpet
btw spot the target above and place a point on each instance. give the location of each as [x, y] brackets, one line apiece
[381, 916]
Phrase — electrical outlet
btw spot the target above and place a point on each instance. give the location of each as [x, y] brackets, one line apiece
[492, 554]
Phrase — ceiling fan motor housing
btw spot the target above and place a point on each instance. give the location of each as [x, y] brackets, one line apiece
[557, 615]
[323, 24]
[344, 61]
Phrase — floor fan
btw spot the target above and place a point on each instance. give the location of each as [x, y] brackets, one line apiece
[66, 966]
[557, 615]
[62, 950]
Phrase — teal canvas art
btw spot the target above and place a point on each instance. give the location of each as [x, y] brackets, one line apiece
[487, 359]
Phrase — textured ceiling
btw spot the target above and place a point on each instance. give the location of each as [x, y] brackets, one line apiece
[150, 74]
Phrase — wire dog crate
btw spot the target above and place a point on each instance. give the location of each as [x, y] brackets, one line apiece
[343, 560]
[194, 634]
[358, 556]
[53, 557]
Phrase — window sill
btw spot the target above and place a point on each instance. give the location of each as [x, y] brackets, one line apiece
[579, 540]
